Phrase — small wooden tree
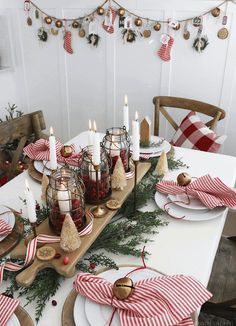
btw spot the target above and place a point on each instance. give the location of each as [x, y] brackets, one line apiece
[70, 239]
[162, 164]
[118, 178]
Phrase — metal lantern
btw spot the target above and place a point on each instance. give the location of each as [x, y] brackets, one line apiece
[65, 194]
[117, 143]
[96, 179]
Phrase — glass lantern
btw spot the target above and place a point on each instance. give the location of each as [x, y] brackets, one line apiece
[65, 194]
[97, 188]
[117, 142]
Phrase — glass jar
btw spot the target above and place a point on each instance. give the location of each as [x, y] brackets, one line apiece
[95, 193]
[117, 143]
[65, 194]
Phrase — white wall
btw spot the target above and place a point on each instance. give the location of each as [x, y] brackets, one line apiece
[91, 83]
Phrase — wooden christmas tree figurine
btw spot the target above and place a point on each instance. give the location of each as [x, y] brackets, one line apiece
[70, 239]
[162, 164]
[145, 132]
[118, 178]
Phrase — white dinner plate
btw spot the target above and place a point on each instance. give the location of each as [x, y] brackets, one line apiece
[8, 217]
[181, 199]
[190, 214]
[89, 313]
[154, 149]
[13, 321]
[44, 167]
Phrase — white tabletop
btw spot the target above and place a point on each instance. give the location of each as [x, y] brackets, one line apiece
[184, 247]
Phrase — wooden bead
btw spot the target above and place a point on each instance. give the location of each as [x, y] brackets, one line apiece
[58, 23]
[183, 179]
[157, 26]
[121, 12]
[123, 288]
[138, 22]
[100, 11]
[75, 24]
[215, 12]
[48, 20]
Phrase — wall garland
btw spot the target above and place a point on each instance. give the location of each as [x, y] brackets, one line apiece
[132, 26]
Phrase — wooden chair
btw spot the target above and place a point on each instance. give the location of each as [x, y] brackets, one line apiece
[21, 128]
[160, 102]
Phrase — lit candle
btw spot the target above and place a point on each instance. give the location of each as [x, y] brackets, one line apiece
[90, 134]
[30, 203]
[64, 199]
[52, 150]
[126, 114]
[135, 137]
[96, 146]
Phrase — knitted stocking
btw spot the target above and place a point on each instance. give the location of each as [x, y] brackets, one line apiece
[164, 52]
[67, 42]
[108, 23]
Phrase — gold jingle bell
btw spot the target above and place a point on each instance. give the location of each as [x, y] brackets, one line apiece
[121, 12]
[138, 22]
[58, 23]
[82, 32]
[123, 288]
[183, 179]
[48, 20]
[75, 24]
[157, 26]
[66, 151]
[215, 12]
[100, 11]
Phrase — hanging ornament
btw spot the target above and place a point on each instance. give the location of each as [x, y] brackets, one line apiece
[223, 33]
[42, 34]
[36, 13]
[67, 42]
[138, 22]
[147, 31]
[200, 42]
[29, 21]
[48, 20]
[109, 20]
[129, 35]
[27, 5]
[121, 12]
[197, 21]
[75, 24]
[54, 31]
[82, 32]
[100, 11]
[93, 37]
[215, 12]
[183, 179]
[186, 33]
[66, 151]
[165, 50]
[157, 26]
[224, 20]
[177, 27]
[121, 22]
[58, 23]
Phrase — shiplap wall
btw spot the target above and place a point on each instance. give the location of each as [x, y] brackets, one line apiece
[91, 83]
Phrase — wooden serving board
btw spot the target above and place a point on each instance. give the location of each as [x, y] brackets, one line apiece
[23, 317]
[27, 276]
[7, 244]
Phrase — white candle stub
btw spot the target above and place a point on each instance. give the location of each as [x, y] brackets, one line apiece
[64, 199]
[52, 150]
[135, 138]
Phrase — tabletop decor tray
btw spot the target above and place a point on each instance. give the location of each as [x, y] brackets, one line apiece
[27, 276]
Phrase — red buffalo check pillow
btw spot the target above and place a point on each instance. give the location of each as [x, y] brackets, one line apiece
[193, 133]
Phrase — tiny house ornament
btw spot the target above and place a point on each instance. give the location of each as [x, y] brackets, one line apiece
[145, 132]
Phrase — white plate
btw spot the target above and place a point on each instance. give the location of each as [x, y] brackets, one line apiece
[8, 217]
[13, 321]
[195, 203]
[154, 149]
[89, 313]
[44, 167]
[190, 214]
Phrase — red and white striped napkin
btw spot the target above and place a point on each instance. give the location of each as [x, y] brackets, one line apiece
[159, 301]
[212, 192]
[39, 151]
[5, 229]
[7, 308]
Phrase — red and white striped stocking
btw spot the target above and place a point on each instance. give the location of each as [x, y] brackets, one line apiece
[108, 23]
[67, 42]
[164, 51]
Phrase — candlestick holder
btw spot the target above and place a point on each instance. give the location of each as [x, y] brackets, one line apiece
[98, 211]
[135, 184]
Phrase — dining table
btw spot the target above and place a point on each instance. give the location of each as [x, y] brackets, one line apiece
[182, 247]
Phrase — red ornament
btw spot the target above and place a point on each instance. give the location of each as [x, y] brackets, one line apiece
[54, 303]
[66, 260]
[66, 151]
[92, 266]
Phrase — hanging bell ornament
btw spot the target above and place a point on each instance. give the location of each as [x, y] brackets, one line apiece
[29, 21]
[123, 288]
[58, 23]
[66, 151]
[157, 26]
[100, 11]
[215, 12]
[177, 27]
[138, 22]
[183, 179]
[82, 32]
[48, 20]
[121, 12]
[75, 24]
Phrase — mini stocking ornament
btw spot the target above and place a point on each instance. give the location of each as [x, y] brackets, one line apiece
[167, 42]
[108, 23]
[67, 42]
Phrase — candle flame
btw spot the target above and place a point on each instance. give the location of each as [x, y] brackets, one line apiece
[94, 126]
[126, 100]
[136, 116]
[51, 131]
[90, 125]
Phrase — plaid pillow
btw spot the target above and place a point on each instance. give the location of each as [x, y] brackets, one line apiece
[193, 133]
